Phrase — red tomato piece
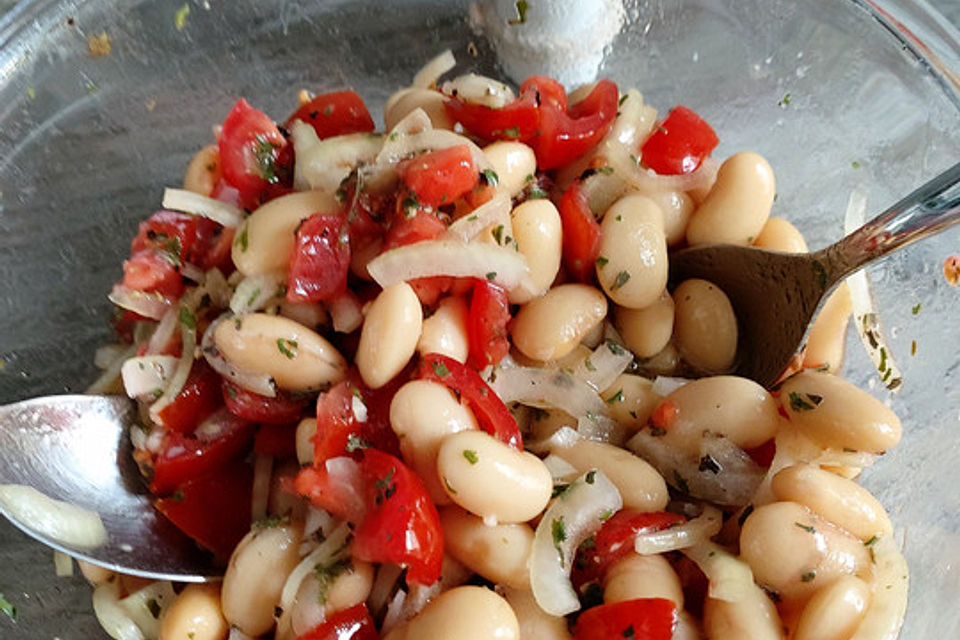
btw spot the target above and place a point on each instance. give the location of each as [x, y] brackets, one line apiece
[281, 409]
[664, 415]
[276, 440]
[168, 231]
[763, 454]
[408, 229]
[679, 143]
[253, 152]
[487, 324]
[547, 91]
[491, 413]
[335, 114]
[340, 432]
[516, 121]
[216, 252]
[183, 458]
[199, 397]
[214, 509]
[581, 234]
[430, 289]
[640, 619]
[440, 177]
[354, 623]
[153, 271]
[321, 259]
[566, 135]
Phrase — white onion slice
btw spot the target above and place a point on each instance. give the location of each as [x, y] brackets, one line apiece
[223, 213]
[328, 551]
[163, 332]
[323, 164]
[665, 385]
[427, 76]
[429, 258]
[405, 146]
[695, 531]
[193, 272]
[572, 517]
[216, 285]
[891, 582]
[262, 474]
[603, 365]
[257, 382]
[394, 613]
[494, 211]
[145, 607]
[548, 389]
[253, 292]
[346, 313]
[111, 616]
[188, 340]
[107, 380]
[62, 564]
[106, 355]
[560, 470]
[147, 375]
[61, 521]
[730, 578]
[385, 585]
[476, 89]
[149, 305]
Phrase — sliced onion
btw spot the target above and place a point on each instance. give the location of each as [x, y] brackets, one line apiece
[346, 313]
[253, 292]
[145, 607]
[262, 474]
[217, 287]
[548, 389]
[188, 341]
[163, 332]
[430, 258]
[223, 213]
[494, 211]
[257, 382]
[111, 616]
[476, 89]
[62, 564]
[385, 585]
[104, 356]
[560, 469]
[107, 380]
[193, 272]
[149, 305]
[573, 517]
[415, 134]
[394, 613]
[330, 550]
[317, 523]
[891, 582]
[603, 365]
[730, 578]
[665, 385]
[427, 76]
[323, 164]
[147, 375]
[695, 531]
[60, 521]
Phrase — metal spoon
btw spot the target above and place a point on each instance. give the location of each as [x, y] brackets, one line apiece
[75, 449]
[775, 295]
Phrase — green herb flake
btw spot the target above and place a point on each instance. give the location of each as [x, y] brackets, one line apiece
[328, 110]
[602, 262]
[606, 515]
[154, 608]
[805, 527]
[491, 177]
[615, 348]
[471, 456]
[607, 171]
[512, 133]
[855, 164]
[491, 276]
[31, 93]
[536, 193]
[623, 99]
[242, 241]
[287, 347]
[621, 280]
[681, 482]
[266, 155]
[326, 574]
[804, 401]
[588, 364]
[521, 18]
[384, 487]
[558, 530]
[191, 635]
[187, 318]
[559, 489]
[9, 609]
[916, 308]
[619, 218]
[410, 206]
[440, 369]
[253, 297]
[591, 476]
[617, 397]
[808, 576]
[872, 541]
[355, 443]
[784, 102]
[180, 17]
[270, 522]
[498, 234]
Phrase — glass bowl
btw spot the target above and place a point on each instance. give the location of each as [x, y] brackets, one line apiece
[838, 95]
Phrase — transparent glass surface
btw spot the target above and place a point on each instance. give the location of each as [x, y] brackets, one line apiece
[835, 95]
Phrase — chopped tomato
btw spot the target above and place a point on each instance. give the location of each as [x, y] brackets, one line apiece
[566, 134]
[581, 234]
[414, 226]
[253, 153]
[217, 251]
[547, 91]
[153, 271]
[515, 121]
[335, 114]
[213, 509]
[394, 517]
[679, 143]
[640, 619]
[354, 623]
[170, 231]
[183, 458]
[487, 324]
[440, 177]
[321, 259]
[430, 289]
[664, 415]
[763, 454]
[491, 413]
[282, 409]
[339, 430]
[199, 397]
[276, 440]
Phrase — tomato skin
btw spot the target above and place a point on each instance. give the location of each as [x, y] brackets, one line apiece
[641, 619]
[440, 177]
[151, 271]
[214, 510]
[276, 440]
[763, 454]
[199, 397]
[168, 231]
[566, 134]
[340, 433]
[335, 114]
[487, 324]
[253, 152]
[515, 121]
[679, 144]
[581, 234]
[282, 409]
[491, 413]
[321, 259]
[354, 623]
[547, 91]
[404, 229]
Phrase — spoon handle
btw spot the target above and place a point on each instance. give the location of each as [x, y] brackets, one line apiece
[926, 211]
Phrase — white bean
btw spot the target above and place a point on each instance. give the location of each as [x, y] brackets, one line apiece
[779, 235]
[539, 236]
[390, 334]
[834, 612]
[306, 431]
[551, 326]
[632, 264]
[631, 400]
[646, 331]
[828, 333]
[705, 326]
[445, 331]
[642, 576]
[203, 171]
[535, 623]
[739, 203]
[677, 207]
[195, 615]
[465, 613]
[499, 553]
[491, 479]
[95, 574]
[403, 102]
[753, 616]
[514, 163]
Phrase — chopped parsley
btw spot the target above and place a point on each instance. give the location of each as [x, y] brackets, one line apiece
[621, 280]
[805, 527]
[385, 487]
[512, 133]
[855, 164]
[326, 574]
[270, 521]
[180, 17]
[498, 234]
[591, 476]
[602, 262]
[187, 318]
[804, 401]
[872, 541]
[784, 101]
[471, 456]
[537, 193]
[154, 608]
[491, 177]
[491, 276]
[808, 576]
[266, 155]
[521, 18]
[617, 397]
[623, 99]
[253, 297]
[287, 347]
[916, 308]
[9, 609]
[558, 529]
[615, 348]
[588, 364]
[559, 489]
[410, 206]
[440, 369]
[606, 515]
[242, 240]
[680, 481]
[355, 443]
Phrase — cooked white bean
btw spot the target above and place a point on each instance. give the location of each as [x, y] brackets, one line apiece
[753, 616]
[779, 235]
[493, 480]
[499, 553]
[535, 623]
[203, 171]
[390, 334]
[255, 576]
[640, 485]
[705, 326]
[422, 414]
[631, 400]
[306, 430]
[739, 203]
[828, 334]
[639, 576]
[834, 612]
[265, 241]
[794, 552]
[539, 236]
[632, 264]
[551, 326]
[677, 207]
[514, 163]
[310, 314]
[841, 501]
[95, 574]
[838, 414]
[295, 357]
[445, 331]
[326, 591]
[195, 615]
[646, 331]
[465, 613]
[403, 102]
